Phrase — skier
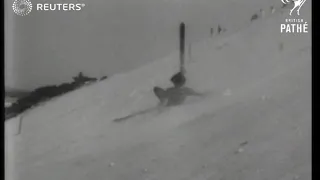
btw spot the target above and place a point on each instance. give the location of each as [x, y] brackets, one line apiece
[178, 79]
[173, 95]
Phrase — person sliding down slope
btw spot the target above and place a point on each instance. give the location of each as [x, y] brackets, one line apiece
[172, 96]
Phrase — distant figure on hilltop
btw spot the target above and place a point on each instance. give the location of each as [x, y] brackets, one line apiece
[272, 9]
[254, 17]
[262, 13]
[219, 29]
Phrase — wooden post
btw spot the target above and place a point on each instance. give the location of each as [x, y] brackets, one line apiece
[182, 44]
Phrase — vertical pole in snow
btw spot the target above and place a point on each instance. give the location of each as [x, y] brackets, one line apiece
[182, 41]
[20, 125]
[189, 52]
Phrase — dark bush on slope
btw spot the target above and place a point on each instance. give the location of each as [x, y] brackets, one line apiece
[103, 78]
[42, 94]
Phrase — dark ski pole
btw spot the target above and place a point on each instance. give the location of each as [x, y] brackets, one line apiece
[182, 46]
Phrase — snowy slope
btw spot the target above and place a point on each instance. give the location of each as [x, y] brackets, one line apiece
[269, 105]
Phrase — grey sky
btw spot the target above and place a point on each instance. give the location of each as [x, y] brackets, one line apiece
[107, 37]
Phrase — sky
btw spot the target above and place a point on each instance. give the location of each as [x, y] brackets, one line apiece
[108, 37]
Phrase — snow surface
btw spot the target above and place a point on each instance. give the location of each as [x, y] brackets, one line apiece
[256, 123]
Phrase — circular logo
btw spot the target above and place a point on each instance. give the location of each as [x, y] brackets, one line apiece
[22, 7]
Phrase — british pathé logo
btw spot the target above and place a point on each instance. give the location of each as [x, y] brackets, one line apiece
[294, 25]
[297, 4]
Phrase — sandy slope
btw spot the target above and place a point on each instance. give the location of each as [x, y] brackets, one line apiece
[268, 107]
